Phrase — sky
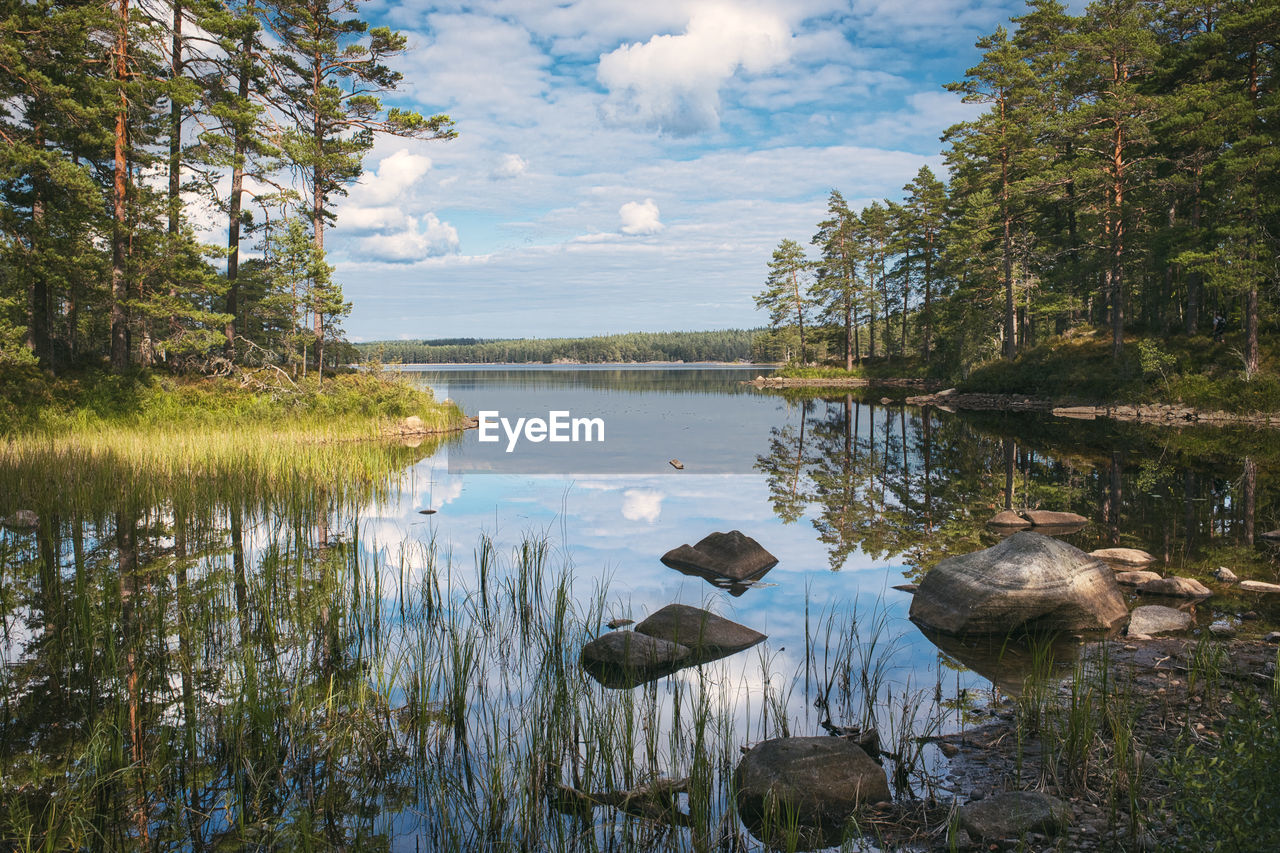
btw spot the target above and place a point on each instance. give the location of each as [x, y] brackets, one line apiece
[630, 166]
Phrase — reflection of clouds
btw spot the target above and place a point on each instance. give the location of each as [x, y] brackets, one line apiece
[641, 505]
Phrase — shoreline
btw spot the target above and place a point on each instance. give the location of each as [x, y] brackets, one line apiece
[950, 400]
[1166, 414]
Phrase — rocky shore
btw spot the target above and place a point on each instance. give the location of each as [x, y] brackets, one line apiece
[1154, 413]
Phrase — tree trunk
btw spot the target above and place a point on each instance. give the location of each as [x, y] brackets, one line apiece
[119, 286]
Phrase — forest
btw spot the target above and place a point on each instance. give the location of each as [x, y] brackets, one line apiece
[1122, 182]
[117, 118]
[725, 345]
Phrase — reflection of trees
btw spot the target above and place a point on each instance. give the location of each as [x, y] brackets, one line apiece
[170, 684]
[888, 480]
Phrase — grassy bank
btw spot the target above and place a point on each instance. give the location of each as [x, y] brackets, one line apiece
[93, 404]
[1194, 371]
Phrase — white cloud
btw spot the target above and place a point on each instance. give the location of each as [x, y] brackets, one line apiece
[394, 175]
[672, 82]
[510, 166]
[641, 505]
[640, 218]
[421, 238]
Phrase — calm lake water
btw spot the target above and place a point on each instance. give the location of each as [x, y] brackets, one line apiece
[303, 658]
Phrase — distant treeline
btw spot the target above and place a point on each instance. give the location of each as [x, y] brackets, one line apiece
[727, 345]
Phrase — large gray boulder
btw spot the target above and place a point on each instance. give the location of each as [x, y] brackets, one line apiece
[813, 784]
[1009, 518]
[1028, 580]
[1012, 814]
[708, 636]
[731, 555]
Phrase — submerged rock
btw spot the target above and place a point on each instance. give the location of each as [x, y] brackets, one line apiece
[1048, 518]
[1009, 518]
[1124, 556]
[1151, 619]
[813, 783]
[731, 555]
[1027, 580]
[1136, 578]
[1176, 588]
[707, 635]
[1012, 814]
[23, 519]
[629, 650]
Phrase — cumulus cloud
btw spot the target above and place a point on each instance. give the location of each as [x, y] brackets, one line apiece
[640, 218]
[395, 174]
[672, 82]
[510, 166]
[423, 237]
[641, 505]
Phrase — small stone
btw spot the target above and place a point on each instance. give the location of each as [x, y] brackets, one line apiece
[907, 587]
[1222, 629]
[1012, 814]
[1048, 518]
[1273, 637]
[1124, 556]
[1009, 518]
[1225, 575]
[950, 750]
[426, 512]
[708, 635]
[1136, 578]
[677, 464]
[615, 624]
[1176, 587]
[1151, 619]
[23, 519]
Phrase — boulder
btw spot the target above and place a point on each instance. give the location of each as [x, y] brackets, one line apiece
[1124, 556]
[1047, 518]
[413, 423]
[1027, 580]
[1152, 619]
[1270, 536]
[707, 635]
[1176, 588]
[732, 555]
[23, 519]
[1136, 578]
[1012, 814]
[1009, 518]
[1259, 586]
[1225, 575]
[629, 650]
[813, 783]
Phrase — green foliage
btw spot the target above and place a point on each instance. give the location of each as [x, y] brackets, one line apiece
[726, 346]
[1223, 797]
[31, 401]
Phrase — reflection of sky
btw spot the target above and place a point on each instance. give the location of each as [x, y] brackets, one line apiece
[615, 526]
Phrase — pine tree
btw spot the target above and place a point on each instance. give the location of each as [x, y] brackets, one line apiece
[836, 285]
[337, 67]
[783, 296]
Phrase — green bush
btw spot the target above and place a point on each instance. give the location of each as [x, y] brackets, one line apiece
[1226, 798]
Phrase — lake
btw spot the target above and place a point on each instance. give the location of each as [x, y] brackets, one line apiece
[287, 652]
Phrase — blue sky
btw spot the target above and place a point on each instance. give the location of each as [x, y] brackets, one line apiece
[628, 165]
